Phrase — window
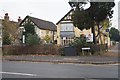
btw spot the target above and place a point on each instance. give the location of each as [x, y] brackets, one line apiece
[67, 40]
[67, 27]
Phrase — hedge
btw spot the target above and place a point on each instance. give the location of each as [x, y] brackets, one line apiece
[48, 49]
[93, 48]
[36, 49]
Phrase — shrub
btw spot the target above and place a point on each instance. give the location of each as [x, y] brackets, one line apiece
[61, 51]
[81, 41]
[47, 38]
[32, 39]
[33, 50]
[6, 38]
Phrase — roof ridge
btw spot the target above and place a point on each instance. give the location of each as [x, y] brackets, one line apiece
[40, 23]
[9, 20]
[39, 19]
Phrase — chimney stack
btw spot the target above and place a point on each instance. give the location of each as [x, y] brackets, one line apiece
[19, 19]
[6, 17]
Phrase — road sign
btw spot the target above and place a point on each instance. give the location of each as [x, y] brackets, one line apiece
[89, 37]
[107, 30]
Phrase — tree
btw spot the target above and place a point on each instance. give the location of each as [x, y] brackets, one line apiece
[32, 39]
[81, 19]
[94, 15]
[29, 29]
[47, 38]
[114, 34]
[10, 33]
[106, 24]
[99, 11]
[6, 39]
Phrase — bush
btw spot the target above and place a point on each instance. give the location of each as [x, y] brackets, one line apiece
[47, 38]
[81, 41]
[33, 50]
[6, 39]
[32, 39]
[61, 51]
[95, 49]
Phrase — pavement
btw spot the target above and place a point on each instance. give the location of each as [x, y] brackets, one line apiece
[111, 57]
[65, 59]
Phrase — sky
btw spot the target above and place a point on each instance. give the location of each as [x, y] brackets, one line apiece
[50, 10]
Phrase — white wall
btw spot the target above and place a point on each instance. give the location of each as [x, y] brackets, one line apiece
[42, 33]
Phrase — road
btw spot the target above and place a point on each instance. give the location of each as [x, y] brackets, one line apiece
[12, 69]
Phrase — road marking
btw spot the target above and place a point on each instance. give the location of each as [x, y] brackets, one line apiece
[70, 59]
[24, 74]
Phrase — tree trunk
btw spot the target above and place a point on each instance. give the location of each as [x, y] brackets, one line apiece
[94, 37]
[99, 34]
[99, 37]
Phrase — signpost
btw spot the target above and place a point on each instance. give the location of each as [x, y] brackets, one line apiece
[107, 30]
[89, 37]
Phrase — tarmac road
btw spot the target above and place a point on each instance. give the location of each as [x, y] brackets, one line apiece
[14, 69]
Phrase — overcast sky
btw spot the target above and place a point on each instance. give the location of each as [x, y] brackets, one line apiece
[50, 10]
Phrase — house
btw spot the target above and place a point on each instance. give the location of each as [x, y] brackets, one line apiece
[66, 31]
[9, 31]
[42, 28]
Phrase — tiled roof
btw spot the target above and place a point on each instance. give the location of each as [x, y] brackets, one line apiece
[11, 22]
[42, 24]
